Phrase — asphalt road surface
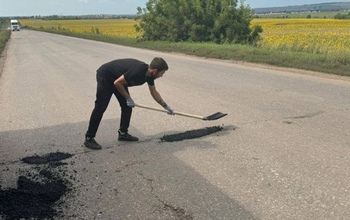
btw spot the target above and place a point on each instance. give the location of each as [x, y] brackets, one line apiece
[283, 153]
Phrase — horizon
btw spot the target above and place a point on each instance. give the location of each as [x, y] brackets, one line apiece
[24, 8]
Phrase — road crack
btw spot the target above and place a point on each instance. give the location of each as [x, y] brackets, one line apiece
[308, 115]
[129, 164]
[179, 213]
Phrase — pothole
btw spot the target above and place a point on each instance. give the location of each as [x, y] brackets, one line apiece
[192, 134]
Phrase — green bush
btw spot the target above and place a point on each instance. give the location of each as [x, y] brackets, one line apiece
[197, 21]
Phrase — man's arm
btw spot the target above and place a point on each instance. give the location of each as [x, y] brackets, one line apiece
[119, 84]
[157, 97]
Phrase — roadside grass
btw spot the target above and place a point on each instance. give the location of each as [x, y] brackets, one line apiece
[4, 37]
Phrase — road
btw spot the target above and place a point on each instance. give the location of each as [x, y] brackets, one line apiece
[283, 153]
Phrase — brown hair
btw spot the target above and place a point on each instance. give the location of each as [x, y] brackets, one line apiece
[159, 64]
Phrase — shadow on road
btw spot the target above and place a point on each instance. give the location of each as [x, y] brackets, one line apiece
[143, 180]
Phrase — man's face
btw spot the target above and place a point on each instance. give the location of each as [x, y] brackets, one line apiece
[157, 74]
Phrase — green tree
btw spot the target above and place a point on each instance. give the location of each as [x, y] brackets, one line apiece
[342, 16]
[219, 21]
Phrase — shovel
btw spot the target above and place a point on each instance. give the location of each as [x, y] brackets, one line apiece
[208, 118]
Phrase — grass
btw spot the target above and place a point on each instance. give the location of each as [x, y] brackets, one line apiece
[4, 37]
[4, 33]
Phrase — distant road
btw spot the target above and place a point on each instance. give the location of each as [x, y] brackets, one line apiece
[284, 152]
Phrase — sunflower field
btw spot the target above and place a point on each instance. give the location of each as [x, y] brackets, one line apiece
[300, 34]
[307, 35]
[110, 27]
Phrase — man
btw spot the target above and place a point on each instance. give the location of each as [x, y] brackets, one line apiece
[116, 77]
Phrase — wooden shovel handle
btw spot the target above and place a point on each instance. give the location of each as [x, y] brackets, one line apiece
[175, 112]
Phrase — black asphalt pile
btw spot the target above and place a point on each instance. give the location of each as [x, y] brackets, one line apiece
[48, 158]
[39, 190]
[192, 134]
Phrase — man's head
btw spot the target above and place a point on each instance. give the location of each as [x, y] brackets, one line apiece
[159, 64]
[158, 67]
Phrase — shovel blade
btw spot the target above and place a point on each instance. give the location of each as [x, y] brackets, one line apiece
[214, 116]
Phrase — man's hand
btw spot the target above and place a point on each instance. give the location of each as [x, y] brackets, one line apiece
[130, 103]
[170, 110]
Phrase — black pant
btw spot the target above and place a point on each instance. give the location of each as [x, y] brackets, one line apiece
[105, 89]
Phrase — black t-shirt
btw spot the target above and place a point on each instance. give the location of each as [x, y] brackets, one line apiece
[133, 70]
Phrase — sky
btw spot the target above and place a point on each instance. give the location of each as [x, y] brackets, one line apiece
[120, 7]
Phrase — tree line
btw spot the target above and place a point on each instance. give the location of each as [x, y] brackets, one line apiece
[342, 16]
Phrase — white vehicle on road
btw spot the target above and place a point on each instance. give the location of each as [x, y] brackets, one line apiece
[15, 25]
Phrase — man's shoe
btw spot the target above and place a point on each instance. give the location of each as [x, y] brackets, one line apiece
[125, 136]
[92, 144]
